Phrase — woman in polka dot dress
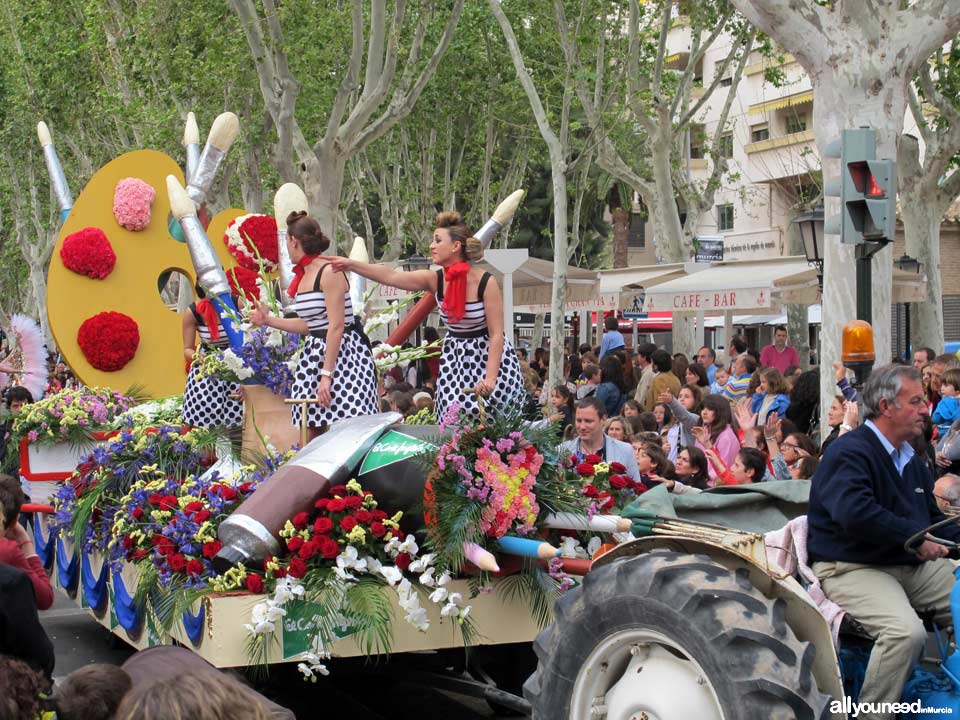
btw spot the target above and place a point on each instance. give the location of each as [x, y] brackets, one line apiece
[476, 355]
[335, 365]
[207, 402]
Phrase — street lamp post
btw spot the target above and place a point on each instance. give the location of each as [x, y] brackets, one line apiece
[810, 225]
[907, 264]
[412, 263]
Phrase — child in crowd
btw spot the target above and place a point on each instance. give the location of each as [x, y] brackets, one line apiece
[719, 380]
[948, 409]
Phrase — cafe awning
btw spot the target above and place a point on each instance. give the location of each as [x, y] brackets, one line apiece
[782, 102]
[626, 283]
[740, 286]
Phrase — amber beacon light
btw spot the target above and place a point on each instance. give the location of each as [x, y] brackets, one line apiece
[857, 351]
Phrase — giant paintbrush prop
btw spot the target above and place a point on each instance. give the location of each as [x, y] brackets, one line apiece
[210, 274]
[501, 216]
[222, 134]
[58, 181]
[289, 198]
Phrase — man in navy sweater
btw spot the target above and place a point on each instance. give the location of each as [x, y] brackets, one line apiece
[869, 495]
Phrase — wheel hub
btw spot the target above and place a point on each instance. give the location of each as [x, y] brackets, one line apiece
[640, 674]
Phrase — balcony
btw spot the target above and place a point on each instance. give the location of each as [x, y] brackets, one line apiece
[778, 158]
[778, 142]
[768, 64]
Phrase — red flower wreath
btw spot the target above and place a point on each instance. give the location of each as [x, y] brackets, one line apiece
[109, 340]
[244, 282]
[88, 252]
[258, 231]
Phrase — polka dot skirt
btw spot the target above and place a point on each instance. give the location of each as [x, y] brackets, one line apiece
[207, 402]
[463, 363]
[354, 389]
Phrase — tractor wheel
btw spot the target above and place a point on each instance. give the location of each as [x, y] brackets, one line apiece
[669, 635]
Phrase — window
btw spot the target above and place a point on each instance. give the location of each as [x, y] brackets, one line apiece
[725, 147]
[697, 141]
[759, 132]
[724, 217]
[726, 82]
[796, 123]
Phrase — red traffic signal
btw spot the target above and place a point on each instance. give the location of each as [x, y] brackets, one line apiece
[864, 180]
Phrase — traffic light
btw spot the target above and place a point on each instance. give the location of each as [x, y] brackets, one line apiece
[867, 188]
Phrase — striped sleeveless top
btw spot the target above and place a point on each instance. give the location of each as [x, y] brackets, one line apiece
[474, 320]
[311, 307]
[203, 331]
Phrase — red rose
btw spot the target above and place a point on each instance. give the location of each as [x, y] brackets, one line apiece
[245, 487]
[362, 516]
[202, 516]
[211, 548]
[309, 549]
[177, 562]
[353, 501]
[617, 468]
[194, 567]
[585, 470]
[403, 561]
[397, 533]
[254, 583]
[321, 504]
[378, 529]
[300, 520]
[155, 499]
[590, 491]
[606, 501]
[137, 513]
[294, 543]
[348, 523]
[336, 505]
[128, 542]
[618, 482]
[192, 507]
[139, 554]
[157, 539]
[280, 572]
[226, 492]
[328, 547]
[640, 488]
[338, 490]
[378, 515]
[297, 568]
[322, 525]
[593, 459]
[169, 502]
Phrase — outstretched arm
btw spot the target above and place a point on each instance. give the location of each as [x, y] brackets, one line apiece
[425, 280]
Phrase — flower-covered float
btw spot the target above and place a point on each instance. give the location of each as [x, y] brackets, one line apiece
[377, 537]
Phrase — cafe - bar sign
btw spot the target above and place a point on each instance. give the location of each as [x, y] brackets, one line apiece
[707, 300]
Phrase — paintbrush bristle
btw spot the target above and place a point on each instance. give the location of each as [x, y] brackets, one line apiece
[224, 131]
[191, 133]
[508, 207]
[359, 250]
[180, 203]
[43, 132]
[289, 198]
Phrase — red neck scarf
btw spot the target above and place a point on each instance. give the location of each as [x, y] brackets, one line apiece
[455, 290]
[208, 312]
[298, 271]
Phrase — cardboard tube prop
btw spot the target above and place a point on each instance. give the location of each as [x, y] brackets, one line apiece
[501, 216]
[252, 532]
[206, 264]
[191, 145]
[222, 134]
[358, 283]
[597, 523]
[289, 198]
[58, 181]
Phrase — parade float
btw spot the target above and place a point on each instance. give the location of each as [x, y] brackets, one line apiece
[378, 537]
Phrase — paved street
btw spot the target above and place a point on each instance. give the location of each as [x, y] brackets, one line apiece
[373, 690]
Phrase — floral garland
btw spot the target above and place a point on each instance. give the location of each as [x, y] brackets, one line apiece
[70, 415]
[507, 474]
[607, 486]
[251, 238]
[109, 340]
[88, 252]
[267, 357]
[132, 201]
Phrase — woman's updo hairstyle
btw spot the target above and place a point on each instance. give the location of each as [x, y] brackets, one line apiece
[472, 248]
[307, 230]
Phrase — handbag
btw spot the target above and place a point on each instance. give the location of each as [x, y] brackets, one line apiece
[950, 445]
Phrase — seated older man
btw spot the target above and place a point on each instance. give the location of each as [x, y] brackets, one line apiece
[869, 496]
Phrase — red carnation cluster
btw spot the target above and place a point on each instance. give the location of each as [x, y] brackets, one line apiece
[250, 236]
[88, 252]
[109, 340]
[243, 282]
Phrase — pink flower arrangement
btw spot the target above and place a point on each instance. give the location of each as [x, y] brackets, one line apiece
[132, 201]
[507, 473]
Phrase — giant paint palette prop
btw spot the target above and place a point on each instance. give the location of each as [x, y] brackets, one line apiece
[131, 287]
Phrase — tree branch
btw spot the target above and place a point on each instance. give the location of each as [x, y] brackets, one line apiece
[350, 79]
[804, 26]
